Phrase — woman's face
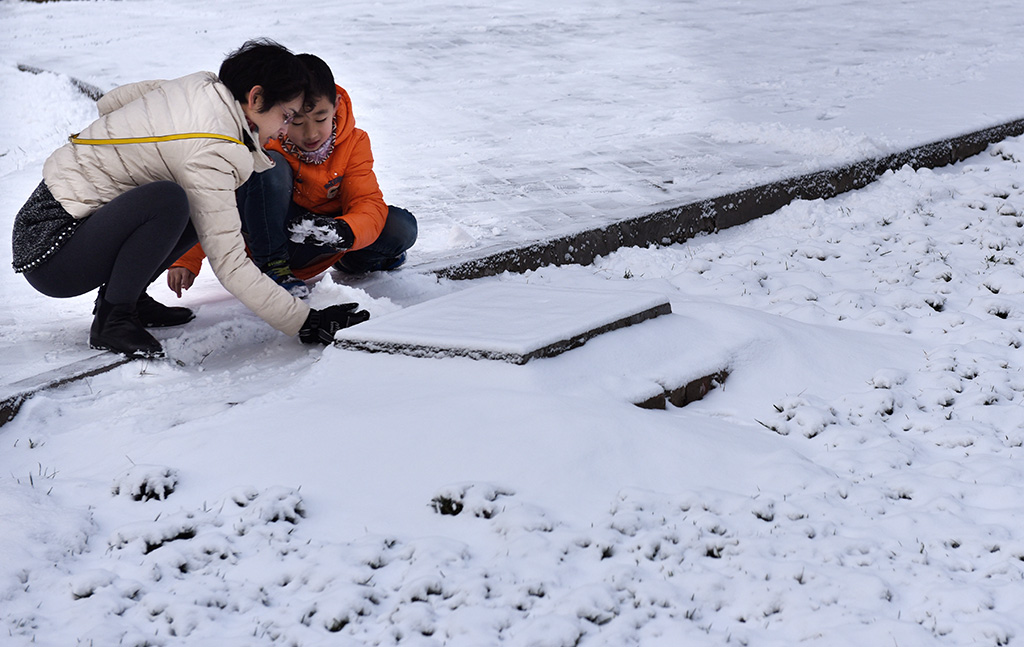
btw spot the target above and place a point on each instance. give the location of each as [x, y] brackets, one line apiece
[309, 130]
[270, 124]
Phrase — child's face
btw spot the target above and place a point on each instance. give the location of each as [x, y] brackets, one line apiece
[309, 130]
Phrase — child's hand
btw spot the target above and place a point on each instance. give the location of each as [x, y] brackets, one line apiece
[321, 231]
[179, 278]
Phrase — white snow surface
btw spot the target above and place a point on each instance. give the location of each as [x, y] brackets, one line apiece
[855, 481]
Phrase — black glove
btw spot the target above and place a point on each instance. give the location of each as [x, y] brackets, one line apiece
[321, 231]
[321, 325]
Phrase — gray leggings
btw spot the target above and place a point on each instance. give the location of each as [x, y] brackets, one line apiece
[125, 245]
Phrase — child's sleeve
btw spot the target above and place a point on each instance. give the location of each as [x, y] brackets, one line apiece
[362, 200]
[192, 260]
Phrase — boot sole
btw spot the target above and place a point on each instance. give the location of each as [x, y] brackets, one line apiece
[133, 355]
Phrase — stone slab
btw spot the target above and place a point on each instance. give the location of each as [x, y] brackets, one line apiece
[500, 321]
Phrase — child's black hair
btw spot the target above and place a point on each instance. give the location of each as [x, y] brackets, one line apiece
[267, 64]
[321, 80]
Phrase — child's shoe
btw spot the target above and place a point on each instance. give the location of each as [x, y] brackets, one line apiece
[385, 265]
[393, 263]
[282, 275]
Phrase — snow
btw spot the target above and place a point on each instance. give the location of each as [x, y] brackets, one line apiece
[856, 479]
[307, 228]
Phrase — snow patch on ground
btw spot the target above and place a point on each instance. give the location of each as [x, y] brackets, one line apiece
[868, 435]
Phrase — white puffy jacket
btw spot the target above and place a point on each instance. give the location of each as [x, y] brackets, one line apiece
[84, 177]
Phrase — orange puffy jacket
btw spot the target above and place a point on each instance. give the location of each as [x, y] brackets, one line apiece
[343, 186]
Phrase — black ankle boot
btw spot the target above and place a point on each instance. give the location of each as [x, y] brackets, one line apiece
[117, 328]
[153, 314]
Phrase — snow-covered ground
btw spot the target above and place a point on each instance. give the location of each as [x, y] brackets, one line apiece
[856, 480]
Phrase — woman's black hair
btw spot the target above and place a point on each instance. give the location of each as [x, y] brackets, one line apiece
[267, 64]
[320, 78]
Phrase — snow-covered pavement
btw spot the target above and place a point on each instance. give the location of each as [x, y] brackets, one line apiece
[497, 124]
[855, 481]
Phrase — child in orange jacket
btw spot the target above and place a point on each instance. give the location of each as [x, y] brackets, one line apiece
[320, 205]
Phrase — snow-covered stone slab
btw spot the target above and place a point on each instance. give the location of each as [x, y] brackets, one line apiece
[510, 322]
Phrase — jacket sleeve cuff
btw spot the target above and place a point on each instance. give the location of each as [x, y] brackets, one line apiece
[192, 260]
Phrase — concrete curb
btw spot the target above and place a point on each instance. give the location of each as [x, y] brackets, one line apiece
[705, 216]
[14, 395]
[87, 89]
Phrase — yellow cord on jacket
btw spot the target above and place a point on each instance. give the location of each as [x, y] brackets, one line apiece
[75, 139]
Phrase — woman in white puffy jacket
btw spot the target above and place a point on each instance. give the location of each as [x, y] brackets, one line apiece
[154, 175]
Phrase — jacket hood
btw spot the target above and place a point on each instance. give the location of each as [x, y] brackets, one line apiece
[346, 118]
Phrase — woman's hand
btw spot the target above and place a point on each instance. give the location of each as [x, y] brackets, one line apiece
[179, 279]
